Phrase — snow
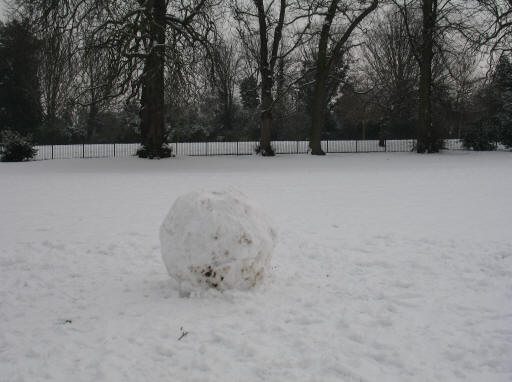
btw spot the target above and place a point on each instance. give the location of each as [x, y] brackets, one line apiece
[388, 267]
[216, 239]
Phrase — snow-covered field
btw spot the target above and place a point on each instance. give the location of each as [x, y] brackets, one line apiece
[388, 267]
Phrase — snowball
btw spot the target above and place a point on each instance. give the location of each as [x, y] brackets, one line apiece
[216, 239]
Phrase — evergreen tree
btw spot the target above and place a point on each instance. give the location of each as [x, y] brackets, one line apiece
[494, 104]
[20, 101]
[502, 99]
[249, 93]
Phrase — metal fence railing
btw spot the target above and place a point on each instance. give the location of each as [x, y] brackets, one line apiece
[119, 150]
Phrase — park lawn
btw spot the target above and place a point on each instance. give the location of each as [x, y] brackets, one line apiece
[388, 267]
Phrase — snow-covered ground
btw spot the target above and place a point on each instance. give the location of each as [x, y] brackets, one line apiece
[388, 267]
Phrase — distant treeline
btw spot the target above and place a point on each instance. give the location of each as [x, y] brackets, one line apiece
[153, 71]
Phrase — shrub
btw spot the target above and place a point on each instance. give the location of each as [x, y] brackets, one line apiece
[16, 148]
[506, 137]
[165, 151]
[480, 137]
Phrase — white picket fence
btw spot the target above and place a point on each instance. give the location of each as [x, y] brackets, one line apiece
[119, 150]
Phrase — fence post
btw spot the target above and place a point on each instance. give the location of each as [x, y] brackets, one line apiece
[206, 148]
[356, 145]
[52, 151]
[237, 147]
[327, 142]
[114, 150]
[83, 150]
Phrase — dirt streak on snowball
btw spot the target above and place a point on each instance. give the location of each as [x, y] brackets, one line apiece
[216, 239]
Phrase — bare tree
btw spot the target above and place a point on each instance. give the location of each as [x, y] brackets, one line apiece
[466, 82]
[58, 67]
[339, 20]
[443, 21]
[495, 25]
[392, 72]
[428, 138]
[133, 37]
[223, 78]
[98, 77]
[156, 19]
[269, 29]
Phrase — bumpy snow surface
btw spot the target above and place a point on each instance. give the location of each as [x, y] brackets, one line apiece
[388, 267]
[216, 239]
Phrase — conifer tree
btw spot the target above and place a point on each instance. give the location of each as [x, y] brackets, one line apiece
[249, 93]
[20, 104]
[502, 92]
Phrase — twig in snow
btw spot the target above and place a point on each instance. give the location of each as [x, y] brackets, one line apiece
[183, 334]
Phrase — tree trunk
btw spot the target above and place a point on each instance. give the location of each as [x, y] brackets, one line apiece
[326, 62]
[265, 148]
[267, 61]
[319, 100]
[320, 90]
[92, 121]
[428, 139]
[318, 115]
[152, 101]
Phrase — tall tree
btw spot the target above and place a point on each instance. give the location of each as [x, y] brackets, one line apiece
[428, 138]
[307, 87]
[267, 64]
[133, 33]
[20, 105]
[466, 78]
[269, 31]
[331, 45]
[500, 100]
[392, 72]
[223, 76]
[156, 19]
[152, 100]
[59, 70]
[442, 22]
[492, 111]
[98, 77]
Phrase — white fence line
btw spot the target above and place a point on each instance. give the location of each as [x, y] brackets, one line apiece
[119, 150]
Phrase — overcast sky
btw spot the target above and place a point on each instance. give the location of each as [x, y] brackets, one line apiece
[2, 9]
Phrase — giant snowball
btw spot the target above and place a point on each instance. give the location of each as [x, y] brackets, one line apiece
[216, 239]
